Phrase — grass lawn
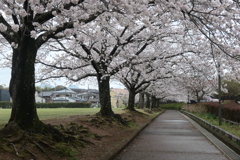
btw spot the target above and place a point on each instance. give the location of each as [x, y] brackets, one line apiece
[49, 113]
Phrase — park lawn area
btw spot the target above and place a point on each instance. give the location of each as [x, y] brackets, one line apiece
[51, 113]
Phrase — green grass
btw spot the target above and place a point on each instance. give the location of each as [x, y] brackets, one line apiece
[50, 113]
[172, 106]
[234, 129]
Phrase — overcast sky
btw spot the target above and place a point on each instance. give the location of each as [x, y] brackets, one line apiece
[5, 75]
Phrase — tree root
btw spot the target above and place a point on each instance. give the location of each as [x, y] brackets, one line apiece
[31, 153]
[120, 119]
[15, 149]
[39, 146]
[18, 138]
[62, 141]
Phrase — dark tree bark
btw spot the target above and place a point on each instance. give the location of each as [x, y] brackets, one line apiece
[154, 101]
[131, 99]
[158, 102]
[104, 96]
[141, 100]
[22, 84]
[148, 101]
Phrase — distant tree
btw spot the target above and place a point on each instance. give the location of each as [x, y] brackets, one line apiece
[197, 76]
[4, 87]
[59, 87]
[232, 89]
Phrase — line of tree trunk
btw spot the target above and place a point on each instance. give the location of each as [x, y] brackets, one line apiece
[131, 99]
[104, 96]
[22, 85]
[141, 100]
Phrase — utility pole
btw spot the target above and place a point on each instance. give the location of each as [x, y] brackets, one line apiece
[219, 96]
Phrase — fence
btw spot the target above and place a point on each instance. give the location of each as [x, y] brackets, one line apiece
[213, 127]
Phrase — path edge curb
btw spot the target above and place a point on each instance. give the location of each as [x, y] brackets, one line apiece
[225, 149]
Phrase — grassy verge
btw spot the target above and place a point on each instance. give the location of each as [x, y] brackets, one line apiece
[50, 113]
[233, 129]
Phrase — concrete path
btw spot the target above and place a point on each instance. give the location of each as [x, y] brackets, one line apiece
[171, 137]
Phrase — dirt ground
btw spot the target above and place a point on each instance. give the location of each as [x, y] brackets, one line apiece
[100, 138]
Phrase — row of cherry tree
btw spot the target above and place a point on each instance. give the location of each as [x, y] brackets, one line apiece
[144, 44]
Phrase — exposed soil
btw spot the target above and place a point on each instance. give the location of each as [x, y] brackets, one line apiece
[87, 138]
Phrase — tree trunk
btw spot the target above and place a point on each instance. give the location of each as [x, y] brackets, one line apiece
[153, 99]
[104, 96]
[148, 101]
[197, 95]
[141, 100]
[131, 99]
[158, 103]
[22, 85]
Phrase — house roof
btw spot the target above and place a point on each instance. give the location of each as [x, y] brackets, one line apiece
[49, 93]
[87, 94]
[65, 91]
[84, 90]
[78, 90]
[46, 94]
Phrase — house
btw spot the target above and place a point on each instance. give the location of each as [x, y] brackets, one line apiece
[39, 99]
[65, 93]
[4, 95]
[92, 97]
[89, 95]
[71, 95]
[48, 95]
[119, 97]
[67, 99]
[51, 96]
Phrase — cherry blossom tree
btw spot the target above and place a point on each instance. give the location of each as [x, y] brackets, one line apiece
[109, 38]
[26, 25]
[118, 40]
[137, 78]
[95, 42]
[198, 77]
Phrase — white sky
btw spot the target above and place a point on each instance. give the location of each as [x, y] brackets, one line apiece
[5, 76]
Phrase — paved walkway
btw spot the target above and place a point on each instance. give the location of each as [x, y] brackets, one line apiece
[171, 136]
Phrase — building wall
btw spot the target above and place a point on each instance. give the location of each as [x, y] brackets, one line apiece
[113, 99]
[119, 97]
[4, 95]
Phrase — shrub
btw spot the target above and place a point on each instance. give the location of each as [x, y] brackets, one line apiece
[63, 105]
[172, 106]
[195, 108]
[5, 104]
[230, 110]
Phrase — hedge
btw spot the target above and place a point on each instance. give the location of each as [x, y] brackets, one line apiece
[5, 104]
[51, 105]
[63, 105]
[171, 106]
[230, 110]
